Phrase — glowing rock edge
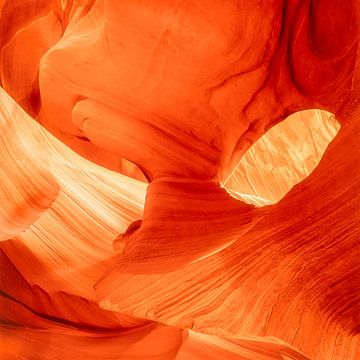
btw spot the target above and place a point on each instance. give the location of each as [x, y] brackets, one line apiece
[179, 179]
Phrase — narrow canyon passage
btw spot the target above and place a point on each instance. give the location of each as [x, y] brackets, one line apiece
[179, 179]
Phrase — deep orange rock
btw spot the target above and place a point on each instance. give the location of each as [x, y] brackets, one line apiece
[218, 256]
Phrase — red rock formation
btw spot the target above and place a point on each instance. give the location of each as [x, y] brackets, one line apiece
[175, 93]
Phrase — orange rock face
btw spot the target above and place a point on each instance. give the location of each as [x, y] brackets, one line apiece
[179, 180]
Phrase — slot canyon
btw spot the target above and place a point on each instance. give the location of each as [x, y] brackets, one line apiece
[179, 180]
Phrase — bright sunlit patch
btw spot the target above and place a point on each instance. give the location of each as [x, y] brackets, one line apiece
[283, 157]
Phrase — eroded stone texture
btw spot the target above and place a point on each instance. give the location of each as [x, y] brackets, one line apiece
[174, 93]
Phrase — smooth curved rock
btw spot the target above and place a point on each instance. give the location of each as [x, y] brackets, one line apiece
[192, 265]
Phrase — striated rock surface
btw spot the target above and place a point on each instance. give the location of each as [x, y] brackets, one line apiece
[230, 226]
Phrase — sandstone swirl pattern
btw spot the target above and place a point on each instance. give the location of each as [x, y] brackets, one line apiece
[179, 179]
